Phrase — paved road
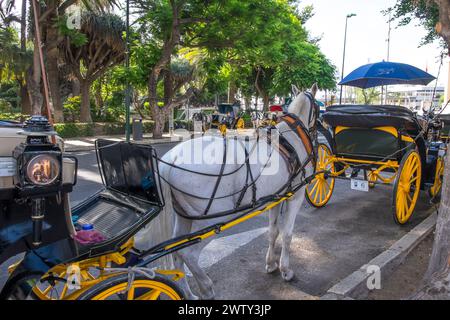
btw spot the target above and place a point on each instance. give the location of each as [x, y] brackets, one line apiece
[328, 243]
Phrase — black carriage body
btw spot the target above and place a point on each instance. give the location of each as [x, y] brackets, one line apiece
[445, 132]
[130, 200]
[16, 226]
[380, 133]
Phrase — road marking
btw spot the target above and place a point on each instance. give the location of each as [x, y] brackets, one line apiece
[89, 175]
[220, 248]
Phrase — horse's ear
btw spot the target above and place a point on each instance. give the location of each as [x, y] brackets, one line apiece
[314, 89]
[295, 90]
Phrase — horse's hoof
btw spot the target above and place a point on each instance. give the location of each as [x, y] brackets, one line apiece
[270, 268]
[287, 275]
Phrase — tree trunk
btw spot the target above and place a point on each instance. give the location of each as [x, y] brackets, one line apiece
[170, 43]
[266, 101]
[52, 51]
[155, 110]
[34, 85]
[168, 87]
[85, 109]
[232, 90]
[443, 26]
[437, 277]
[25, 99]
[76, 90]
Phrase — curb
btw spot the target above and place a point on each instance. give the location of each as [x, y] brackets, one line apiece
[354, 286]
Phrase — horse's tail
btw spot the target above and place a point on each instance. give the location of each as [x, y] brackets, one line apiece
[160, 229]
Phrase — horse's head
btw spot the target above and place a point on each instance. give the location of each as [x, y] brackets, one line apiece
[304, 105]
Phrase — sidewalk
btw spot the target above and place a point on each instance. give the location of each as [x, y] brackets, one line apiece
[88, 143]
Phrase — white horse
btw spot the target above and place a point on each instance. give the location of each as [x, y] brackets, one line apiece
[206, 155]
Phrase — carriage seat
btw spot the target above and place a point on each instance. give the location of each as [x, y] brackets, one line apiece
[371, 116]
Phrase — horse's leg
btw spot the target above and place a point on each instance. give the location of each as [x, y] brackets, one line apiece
[271, 261]
[286, 225]
[190, 257]
[182, 226]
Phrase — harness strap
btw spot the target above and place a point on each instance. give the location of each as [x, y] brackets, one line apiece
[248, 176]
[297, 126]
[219, 177]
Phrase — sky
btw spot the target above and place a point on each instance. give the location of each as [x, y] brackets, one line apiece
[366, 36]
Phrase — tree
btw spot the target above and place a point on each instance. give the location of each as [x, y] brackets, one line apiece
[14, 63]
[435, 16]
[367, 96]
[239, 33]
[102, 48]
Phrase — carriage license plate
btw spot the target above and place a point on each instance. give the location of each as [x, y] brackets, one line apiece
[360, 185]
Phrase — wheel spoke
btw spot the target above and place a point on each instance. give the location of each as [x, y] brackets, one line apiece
[152, 295]
[130, 294]
[321, 191]
[317, 193]
[315, 186]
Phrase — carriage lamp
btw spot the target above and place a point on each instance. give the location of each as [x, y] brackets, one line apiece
[39, 169]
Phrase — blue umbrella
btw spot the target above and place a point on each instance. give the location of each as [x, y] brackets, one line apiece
[386, 73]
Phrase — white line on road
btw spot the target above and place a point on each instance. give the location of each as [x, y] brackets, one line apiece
[220, 248]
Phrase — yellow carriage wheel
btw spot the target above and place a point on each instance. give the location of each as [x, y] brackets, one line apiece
[435, 189]
[319, 190]
[142, 288]
[407, 186]
[240, 124]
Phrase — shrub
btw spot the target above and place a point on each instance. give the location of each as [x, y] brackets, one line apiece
[14, 116]
[114, 128]
[71, 108]
[72, 130]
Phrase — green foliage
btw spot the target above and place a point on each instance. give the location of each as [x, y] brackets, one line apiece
[425, 11]
[15, 116]
[76, 37]
[367, 96]
[72, 130]
[13, 61]
[71, 108]
[9, 99]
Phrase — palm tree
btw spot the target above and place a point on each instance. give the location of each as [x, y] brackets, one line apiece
[104, 48]
[49, 13]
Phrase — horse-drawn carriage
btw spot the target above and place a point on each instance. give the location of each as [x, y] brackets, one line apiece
[87, 252]
[445, 132]
[228, 117]
[388, 145]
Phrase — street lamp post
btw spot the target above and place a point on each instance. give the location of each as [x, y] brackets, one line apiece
[343, 55]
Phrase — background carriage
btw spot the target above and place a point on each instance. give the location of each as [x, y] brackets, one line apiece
[229, 116]
[388, 144]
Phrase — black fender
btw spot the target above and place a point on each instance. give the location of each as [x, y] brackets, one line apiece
[327, 134]
[35, 264]
[30, 269]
